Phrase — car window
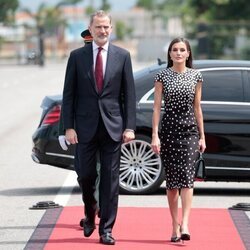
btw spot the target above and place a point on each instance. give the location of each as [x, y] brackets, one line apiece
[151, 97]
[219, 85]
[144, 83]
[222, 85]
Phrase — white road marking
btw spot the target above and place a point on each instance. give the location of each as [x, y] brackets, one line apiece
[66, 190]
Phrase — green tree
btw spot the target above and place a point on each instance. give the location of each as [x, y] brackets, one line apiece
[68, 2]
[216, 24]
[121, 30]
[7, 10]
[245, 53]
[220, 9]
[105, 5]
[161, 9]
[48, 20]
[89, 10]
[44, 19]
[146, 4]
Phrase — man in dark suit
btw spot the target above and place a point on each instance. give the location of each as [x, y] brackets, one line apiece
[98, 115]
[87, 38]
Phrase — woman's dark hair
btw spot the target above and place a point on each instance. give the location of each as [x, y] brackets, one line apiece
[189, 62]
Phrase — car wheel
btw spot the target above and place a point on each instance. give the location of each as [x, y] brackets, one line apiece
[141, 171]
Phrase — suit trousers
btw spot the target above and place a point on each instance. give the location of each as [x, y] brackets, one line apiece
[108, 151]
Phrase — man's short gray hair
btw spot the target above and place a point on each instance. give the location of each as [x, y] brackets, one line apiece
[99, 13]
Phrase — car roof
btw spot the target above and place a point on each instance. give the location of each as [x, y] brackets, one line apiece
[221, 63]
[208, 63]
[141, 86]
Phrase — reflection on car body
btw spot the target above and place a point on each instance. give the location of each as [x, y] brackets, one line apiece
[226, 111]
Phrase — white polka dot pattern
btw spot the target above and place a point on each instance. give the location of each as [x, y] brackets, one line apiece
[179, 133]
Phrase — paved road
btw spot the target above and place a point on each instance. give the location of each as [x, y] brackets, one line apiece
[23, 183]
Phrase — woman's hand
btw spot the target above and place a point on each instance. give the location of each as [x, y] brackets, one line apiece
[202, 145]
[156, 144]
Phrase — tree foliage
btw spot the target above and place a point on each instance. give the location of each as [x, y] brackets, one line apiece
[220, 9]
[7, 10]
[146, 4]
[105, 5]
[219, 22]
[122, 31]
[50, 17]
[163, 8]
[48, 21]
[215, 24]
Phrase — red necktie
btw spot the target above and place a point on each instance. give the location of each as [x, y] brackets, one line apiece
[99, 70]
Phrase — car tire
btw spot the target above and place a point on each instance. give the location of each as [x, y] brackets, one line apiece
[141, 170]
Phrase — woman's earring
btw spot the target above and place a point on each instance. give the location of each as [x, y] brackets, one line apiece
[187, 58]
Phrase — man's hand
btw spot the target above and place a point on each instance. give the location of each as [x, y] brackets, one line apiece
[71, 136]
[63, 142]
[128, 135]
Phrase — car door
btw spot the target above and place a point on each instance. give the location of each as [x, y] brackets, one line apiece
[226, 112]
[145, 101]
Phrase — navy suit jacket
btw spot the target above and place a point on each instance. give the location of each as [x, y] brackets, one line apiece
[83, 106]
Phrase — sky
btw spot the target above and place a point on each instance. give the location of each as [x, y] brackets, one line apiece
[116, 4]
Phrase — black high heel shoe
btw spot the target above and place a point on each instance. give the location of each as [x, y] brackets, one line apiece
[185, 236]
[176, 238]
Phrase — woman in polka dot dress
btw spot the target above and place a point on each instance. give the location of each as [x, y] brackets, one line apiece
[182, 131]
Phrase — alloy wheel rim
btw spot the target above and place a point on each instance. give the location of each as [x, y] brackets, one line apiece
[140, 167]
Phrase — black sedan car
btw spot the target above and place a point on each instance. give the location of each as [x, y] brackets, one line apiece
[226, 111]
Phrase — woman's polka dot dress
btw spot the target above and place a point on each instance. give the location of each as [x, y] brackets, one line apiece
[179, 133]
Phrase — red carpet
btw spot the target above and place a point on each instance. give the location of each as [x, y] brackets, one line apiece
[148, 228]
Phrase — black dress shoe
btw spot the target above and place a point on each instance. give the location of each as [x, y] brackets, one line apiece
[107, 239]
[81, 222]
[88, 227]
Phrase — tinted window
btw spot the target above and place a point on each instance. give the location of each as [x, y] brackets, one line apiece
[222, 85]
[145, 83]
[151, 97]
